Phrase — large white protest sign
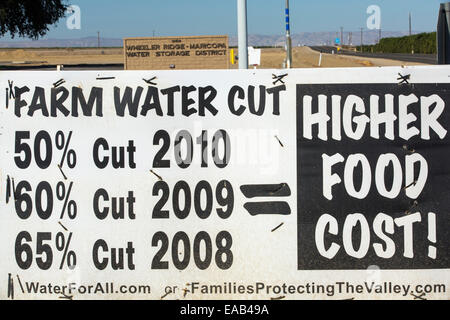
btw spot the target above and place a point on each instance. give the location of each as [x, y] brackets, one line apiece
[233, 184]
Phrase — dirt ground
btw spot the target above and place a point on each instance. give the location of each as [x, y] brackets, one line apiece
[303, 57]
[64, 56]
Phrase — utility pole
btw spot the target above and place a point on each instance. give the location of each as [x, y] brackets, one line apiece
[288, 39]
[410, 25]
[379, 35]
[410, 32]
[342, 35]
[242, 34]
[98, 39]
[362, 39]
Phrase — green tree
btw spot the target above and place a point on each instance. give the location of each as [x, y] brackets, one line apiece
[29, 18]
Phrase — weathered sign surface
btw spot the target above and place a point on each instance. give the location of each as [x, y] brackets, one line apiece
[162, 53]
[225, 184]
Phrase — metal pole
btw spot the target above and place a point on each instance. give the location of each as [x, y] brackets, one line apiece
[342, 36]
[288, 39]
[242, 34]
[443, 34]
[98, 39]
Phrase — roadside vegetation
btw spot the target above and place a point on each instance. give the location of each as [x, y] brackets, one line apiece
[418, 43]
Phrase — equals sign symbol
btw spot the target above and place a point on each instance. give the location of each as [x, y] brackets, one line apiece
[267, 191]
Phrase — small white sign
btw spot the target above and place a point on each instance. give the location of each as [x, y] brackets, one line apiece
[254, 56]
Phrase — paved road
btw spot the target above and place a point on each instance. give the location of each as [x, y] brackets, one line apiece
[421, 58]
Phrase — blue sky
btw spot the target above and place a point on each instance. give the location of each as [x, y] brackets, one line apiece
[118, 18]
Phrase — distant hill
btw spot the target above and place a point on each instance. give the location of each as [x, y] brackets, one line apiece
[62, 43]
[304, 38]
[318, 38]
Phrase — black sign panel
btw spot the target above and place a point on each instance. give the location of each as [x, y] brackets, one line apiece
[373, 167]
